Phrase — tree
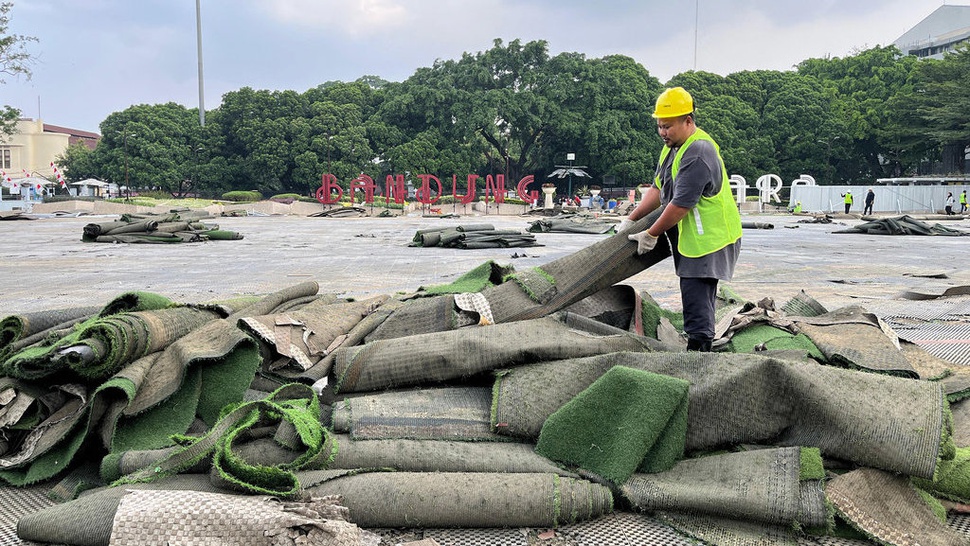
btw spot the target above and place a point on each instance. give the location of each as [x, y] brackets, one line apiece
[943, 104]
[147, 146]
[15, 61]
[77, 163]
[864, 84]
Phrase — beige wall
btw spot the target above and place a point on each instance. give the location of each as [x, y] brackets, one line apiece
[33, 149]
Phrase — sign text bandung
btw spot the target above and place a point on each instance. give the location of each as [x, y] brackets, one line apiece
[330, 192]
[431, 190]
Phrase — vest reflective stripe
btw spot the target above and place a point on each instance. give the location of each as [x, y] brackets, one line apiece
[714, 222]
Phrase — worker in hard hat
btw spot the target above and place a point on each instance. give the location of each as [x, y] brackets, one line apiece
[700, 219]
[847, 200]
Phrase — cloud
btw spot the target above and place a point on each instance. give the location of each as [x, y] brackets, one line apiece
[349, 17]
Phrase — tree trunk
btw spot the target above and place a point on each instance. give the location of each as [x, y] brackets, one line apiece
[953, 158]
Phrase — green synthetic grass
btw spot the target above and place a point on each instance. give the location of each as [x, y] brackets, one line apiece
[136, 301]
[651, 313]
[481, 277]
[627, 420]
[295, 403]
[767, 337]
[525, 281]
[222, 235]
[952, 478]
[811, 467]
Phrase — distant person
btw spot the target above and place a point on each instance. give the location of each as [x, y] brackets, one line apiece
[963, 202]
[870, 199]
[847, 199]
[949, 204]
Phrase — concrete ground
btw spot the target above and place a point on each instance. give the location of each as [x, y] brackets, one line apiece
[45, 265]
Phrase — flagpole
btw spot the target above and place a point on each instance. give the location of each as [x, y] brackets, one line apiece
[198, 31]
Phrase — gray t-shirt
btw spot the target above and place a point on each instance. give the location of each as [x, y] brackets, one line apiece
[699, 174]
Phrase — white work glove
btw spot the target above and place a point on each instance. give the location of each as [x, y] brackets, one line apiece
[624, 225]
[645, 241]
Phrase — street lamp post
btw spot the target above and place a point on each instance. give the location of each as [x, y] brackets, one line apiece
[198, 151]
[127, 187]
[570, 157]
[568, 171]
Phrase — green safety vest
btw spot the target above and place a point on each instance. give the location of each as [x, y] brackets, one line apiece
[848, 198]
[963, 199]
[714, 222]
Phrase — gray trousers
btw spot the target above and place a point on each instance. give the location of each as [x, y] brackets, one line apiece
[698, 295]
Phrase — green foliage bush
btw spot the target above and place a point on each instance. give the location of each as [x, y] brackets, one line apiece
[62, 198]
[294, 196]
[380, 202]
[138, 200]
[161, 195]
[242, 196]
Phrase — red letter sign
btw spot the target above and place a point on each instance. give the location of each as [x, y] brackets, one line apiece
[327, 185]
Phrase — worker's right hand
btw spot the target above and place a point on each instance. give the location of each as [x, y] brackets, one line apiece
[624, 225]
[645, 241]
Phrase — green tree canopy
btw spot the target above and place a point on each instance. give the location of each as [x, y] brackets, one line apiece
[15, 60]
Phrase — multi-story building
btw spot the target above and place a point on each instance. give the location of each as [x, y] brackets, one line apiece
[35, 144]
[937, 34]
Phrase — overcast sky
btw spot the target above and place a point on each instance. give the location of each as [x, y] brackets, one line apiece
[95, 57]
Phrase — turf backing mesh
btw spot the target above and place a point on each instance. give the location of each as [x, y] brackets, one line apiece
[448, 499]
[456, 354]
[872, 419]
[455, 413]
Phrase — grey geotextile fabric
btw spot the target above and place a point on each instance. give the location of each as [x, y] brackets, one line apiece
[538, 292]
[173, 227]
[887, 508]
[300, 338]
[14, 328]
[875, 420]
[617, 306]
[853, 337]
[448, 413]
[902, 225]
[571, 223]
[417, 316]
[472, 236]
[459, 354]
[575, 276]
[196, 517]
[761, 485]
[463, 499]
[110, 342]
[412, 455]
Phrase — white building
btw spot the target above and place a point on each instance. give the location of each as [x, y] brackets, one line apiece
[35, 144]
[937, 34]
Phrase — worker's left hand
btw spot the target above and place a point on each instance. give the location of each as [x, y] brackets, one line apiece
[624, 225]
[645, 241]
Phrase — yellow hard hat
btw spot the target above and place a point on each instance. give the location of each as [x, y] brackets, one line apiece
[674, 103]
